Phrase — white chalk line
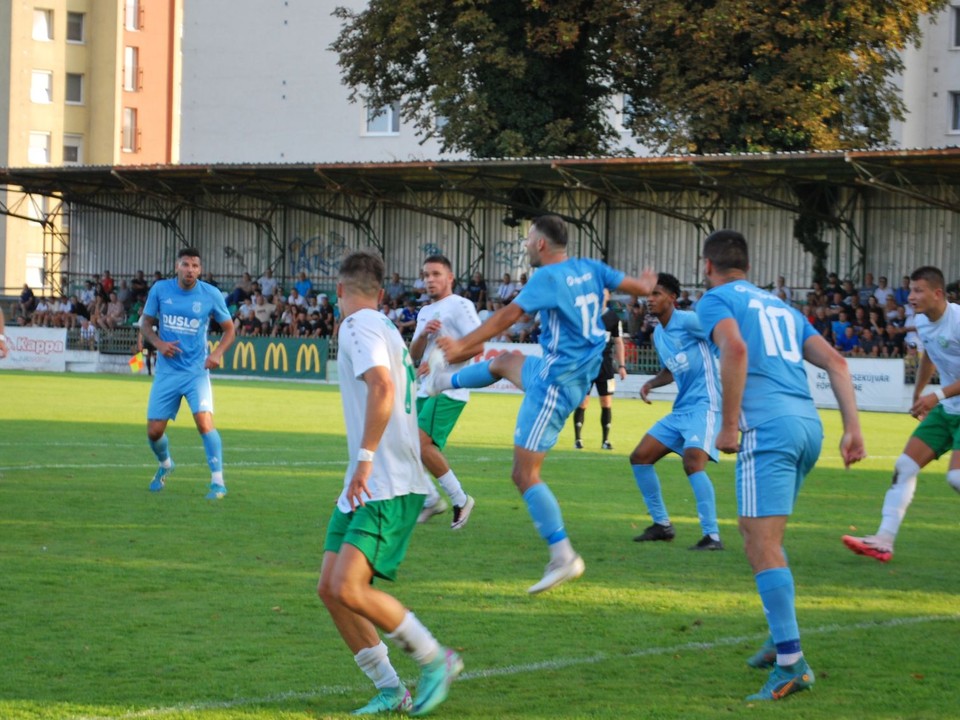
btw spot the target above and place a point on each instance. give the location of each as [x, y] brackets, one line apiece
[523, 669]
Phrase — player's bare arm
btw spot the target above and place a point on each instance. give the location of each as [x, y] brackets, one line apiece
[226, 340]
[664, 377]
[818, 351]
[376, 416]
[733, 378]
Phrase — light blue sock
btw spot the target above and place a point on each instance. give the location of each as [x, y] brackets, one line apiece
[161, 448]
[777, 595]
[706, 502]
[474, 376]
[649, 485]
[545, 512]
[214, 449]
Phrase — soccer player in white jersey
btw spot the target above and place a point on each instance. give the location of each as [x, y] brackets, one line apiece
[762, 343]
[568, 294]
[383, 491]
[175, 320]
[453, 316]
[938, 324]
[690, 430]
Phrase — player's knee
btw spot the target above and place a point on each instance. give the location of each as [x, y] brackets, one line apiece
[905, 470]
[953, 479]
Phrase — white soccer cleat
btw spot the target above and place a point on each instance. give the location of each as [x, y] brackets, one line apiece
[559, 573]
[438, 508]
[430, 383]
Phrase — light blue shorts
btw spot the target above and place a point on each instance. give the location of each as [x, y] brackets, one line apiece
[695, 429]
[169, 388]
[546, 406]
[774, 459]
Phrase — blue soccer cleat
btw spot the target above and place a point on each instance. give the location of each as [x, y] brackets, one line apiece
[785, 680]
[435, 681]
[160, 478]
[216, 492]
[388, 700]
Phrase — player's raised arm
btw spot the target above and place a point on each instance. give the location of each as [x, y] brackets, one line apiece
[817, 351]
[469, 345]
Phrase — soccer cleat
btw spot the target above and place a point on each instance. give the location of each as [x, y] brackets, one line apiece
[160, 478]
[606, 446]
[656, 532]
[216, 492]
[388, 700]
[439, 507]
[557, 573]
[578, 444]
[785, 680]
[462, 514]
[438, 364]
[871, 546]
[765, 657]
[435, 681]
[707, 543]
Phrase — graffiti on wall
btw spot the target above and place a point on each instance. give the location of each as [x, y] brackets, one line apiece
[317, 255]
[508, 255]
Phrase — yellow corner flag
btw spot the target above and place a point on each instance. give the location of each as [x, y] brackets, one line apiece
[136, 363]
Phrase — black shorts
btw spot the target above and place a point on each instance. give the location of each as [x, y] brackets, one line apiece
[603, 382]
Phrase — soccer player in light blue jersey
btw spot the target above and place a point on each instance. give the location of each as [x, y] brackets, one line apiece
[180, 309]
[690, 430]
[762, 343]
[568, 294]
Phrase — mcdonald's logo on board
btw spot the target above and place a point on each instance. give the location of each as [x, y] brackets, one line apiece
[308, 357]
[275, 351]
[245, 351]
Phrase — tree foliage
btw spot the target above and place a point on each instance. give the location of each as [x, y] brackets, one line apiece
[537, 77]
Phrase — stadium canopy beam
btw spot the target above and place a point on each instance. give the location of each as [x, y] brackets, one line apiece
[896, 182]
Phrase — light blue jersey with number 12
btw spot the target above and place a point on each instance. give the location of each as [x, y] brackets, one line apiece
[774, 334]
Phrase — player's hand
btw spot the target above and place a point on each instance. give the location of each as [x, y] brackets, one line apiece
[449, 346]
[169, 349]
[358, 485]
[432, 327]
[422, 369]
[623, 372]
[211, 362]
[644, 392]
[923, 405]
[728, 440]
[851, 448]
[649, 278]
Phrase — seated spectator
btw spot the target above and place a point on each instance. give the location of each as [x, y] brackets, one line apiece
[848, 343]
[833, 285]
[477, 291]
[489, 309]
[876, 320]
[781, 287]
[209, 279]
[390, 311]
[263, 312]
[115, 315]
[822, 324]
[328, 318]
[68, 312]
[902, 293]
[890, 309]
[869, 345]
[420, 290]
[407, 319]
[650, 322]
[41, 313]
[242, 290]
[819, 296]
[107, 285]
[635, 319]
[296, 299]
[138, 286]
[245, 318]
[303, 285]
[837, 305]
[891, 344]
[283, 327]
[125, 295]
[507, 290]
[302, 327]
[26, 306]
[684, 302]
[839, 326]
[882, 292]
[395, 290]
[88, 335]
[867, 289]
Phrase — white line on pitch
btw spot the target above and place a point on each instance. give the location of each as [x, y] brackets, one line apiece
[523, 669]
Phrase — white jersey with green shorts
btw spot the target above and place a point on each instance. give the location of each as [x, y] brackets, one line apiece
[368, 339]
[941, 343]
[458, 317]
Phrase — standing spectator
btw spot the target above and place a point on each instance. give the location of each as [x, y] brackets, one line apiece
[88, 334]
[867, 289]
[395, 289]
[268, 284]
[902, 293]
[304, 285]
[684, 302]
[26, 306]
[477, 291]
[882, 292]
[781, 287]
[328, 318]
[138, 286]
[361, 543]
[107, 284]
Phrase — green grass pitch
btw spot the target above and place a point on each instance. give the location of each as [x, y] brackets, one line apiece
[119, 603]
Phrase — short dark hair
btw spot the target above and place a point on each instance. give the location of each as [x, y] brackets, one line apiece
[931, 275]
[441, 259]
[727, 250]
[669, 283]
[553, 228]
[188, 252]
[363, 272]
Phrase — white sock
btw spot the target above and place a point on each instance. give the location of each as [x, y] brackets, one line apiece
[898, 497]
[415, 640]
[953, 479]
[216, 478]
[375, 663]
[432, 496]
[562, 551]
[789, 658]
[166, 463]
[451, 486]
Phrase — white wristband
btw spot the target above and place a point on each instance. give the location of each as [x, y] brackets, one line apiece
[940, 394]
[3, 338]
[365, 455]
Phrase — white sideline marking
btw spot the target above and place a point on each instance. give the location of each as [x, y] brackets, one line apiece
[512, 669]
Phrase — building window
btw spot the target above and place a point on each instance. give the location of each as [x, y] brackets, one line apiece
[130, 143]
[131, 15]
[76, 27]
[39, 151]
[73, 149]
[74, 89]
[384, 121]
[955, 112]
[955, 26]
[131, 69]
[41, 86]
[42, 24]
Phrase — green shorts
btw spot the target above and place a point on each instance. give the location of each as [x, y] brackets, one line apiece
[939, 430]
[381, 530]
[437, 416]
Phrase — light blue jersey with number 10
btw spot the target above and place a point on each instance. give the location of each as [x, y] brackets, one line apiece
[569, 297]
[774, 334]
